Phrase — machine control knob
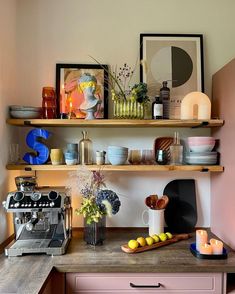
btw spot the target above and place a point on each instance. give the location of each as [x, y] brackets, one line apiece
[18, 196]
[53, 195]
[52, 204]
[17, 204]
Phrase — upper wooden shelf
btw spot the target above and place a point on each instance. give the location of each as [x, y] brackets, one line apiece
[127, 167]
[115, 123]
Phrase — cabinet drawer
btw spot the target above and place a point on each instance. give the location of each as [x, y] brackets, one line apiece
[120, 283]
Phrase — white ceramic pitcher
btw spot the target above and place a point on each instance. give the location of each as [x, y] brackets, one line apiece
[155, 220]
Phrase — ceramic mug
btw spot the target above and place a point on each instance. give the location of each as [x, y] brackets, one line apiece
[56, 156]
[100, 157]
[71, 157]
[155, 220]
[72, 147]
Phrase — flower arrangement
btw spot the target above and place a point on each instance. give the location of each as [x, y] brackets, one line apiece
[120, 84]
[97, 201]
[121, 80]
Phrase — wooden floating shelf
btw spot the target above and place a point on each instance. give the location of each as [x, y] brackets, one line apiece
[124, 168]
[115, 123]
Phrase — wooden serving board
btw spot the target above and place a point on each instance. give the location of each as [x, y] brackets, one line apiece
[175, 238]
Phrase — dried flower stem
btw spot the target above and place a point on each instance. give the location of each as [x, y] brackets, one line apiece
[112, 76]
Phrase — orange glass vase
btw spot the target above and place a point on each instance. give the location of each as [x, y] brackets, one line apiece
[48, 103]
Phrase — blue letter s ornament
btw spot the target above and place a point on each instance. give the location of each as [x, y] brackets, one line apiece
[33, 142]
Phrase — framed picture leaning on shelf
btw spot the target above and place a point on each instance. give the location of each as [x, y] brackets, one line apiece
[175, 58]
[70, 95]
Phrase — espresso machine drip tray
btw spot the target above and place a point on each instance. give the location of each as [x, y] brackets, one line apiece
[39, 246]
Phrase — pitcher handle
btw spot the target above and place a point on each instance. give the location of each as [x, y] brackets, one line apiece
[143, 217]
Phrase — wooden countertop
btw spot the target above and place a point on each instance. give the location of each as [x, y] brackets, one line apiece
[27, 274]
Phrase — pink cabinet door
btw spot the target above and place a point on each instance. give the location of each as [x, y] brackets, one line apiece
[144, 283]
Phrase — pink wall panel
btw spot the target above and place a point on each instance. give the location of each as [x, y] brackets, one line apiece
[223, 185]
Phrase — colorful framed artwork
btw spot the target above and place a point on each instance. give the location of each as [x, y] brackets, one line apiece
[69, 93]
[175, 58]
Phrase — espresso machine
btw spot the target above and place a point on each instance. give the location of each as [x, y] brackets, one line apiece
[42, 220]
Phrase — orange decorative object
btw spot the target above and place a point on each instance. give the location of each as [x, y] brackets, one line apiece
[48, 103]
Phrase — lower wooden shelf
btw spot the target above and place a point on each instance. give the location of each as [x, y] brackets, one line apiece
[127, 167]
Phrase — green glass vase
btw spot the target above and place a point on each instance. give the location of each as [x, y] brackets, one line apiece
[128, 109]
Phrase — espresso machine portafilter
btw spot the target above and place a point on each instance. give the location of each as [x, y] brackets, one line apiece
[42, 220]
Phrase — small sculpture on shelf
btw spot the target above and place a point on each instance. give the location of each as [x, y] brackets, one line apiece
[87, 84]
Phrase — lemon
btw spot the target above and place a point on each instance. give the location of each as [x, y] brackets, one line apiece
[149, 240]
[141, 241]
[133, 244]
[162, 236]
[169, 235]
[155, 238]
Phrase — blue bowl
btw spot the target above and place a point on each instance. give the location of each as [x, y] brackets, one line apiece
[117, 160]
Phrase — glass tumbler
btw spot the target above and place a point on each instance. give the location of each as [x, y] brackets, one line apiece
[134, 156]
[147, 156]
[14, 153]
[161, 157]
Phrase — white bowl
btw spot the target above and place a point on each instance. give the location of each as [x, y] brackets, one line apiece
[201, 148]
[27, 108]
[200, 139]
[25, 114]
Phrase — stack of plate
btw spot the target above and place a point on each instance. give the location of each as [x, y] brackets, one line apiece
[201, 158]
[17, 111]
[201, 151]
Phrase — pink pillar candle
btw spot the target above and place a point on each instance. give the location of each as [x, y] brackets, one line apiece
[205, 249]
[217, 246]
[201, 238]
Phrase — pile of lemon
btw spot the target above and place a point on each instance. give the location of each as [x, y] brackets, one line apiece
[150, 240]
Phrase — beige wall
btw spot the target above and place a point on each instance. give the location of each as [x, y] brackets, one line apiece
[51, 31]
[7, 96]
